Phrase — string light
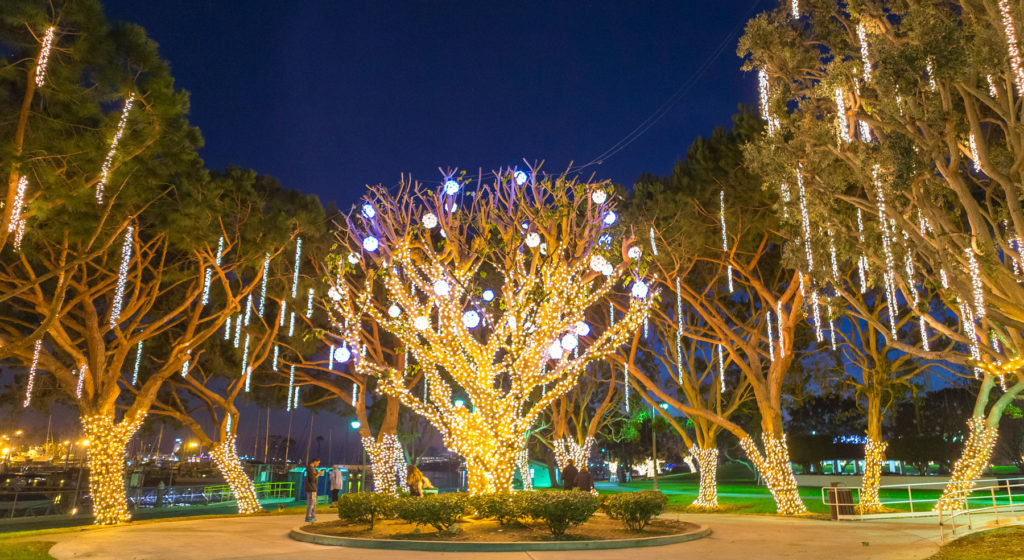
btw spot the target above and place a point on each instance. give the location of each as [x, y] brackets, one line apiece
[109, 161]
[383, 462]
[776, 471]
[284, 307]
[238, 329]
[890, 272]
[309, 303]
[725, 240]
[864, 131]
[185, 367]
[721, 369]
[227, 328]
[805, 220]
[764, 94]
[815, 306]
[107, 450]
[844, 125]
[248, 310]
[625, 383]
[245, 362]
[784, 193]
[782, 345]
[943, 278]
[295, 405]
[930, 67]
[972, 463]
[291, 324]
[707, 495]
[992, 91]
[81, 381]
[679, 331]
[831, 330]
[1011, 44]
[291, 388]
[874, 456]
[298, 262]
[974, 154]
[862, 36]
[567, 449]
[862, 260]
[795, 7]
[263, 284]
[138, 361]
[967, 325]
[225, 455]
[979, 294]
[832, 256]
[44, 57]
[17, 221]
[122, 276]
[654, 246]
[32, 373]
[771, 338]
[207, 279]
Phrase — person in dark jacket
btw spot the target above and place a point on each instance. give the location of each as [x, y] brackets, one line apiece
[569, 476]
[312, 474]
[584, 481]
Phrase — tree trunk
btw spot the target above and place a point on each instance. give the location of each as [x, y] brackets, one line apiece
[487, 474]
[566, 449]
[382, 463]
[226, 458]
[976, 454]
[707, 497]
[874, 456]
[775, 469]
[108, 443]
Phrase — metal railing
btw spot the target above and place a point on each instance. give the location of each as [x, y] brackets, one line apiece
[223, 492]
[993, 499]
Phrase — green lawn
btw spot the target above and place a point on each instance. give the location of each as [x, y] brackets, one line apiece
[33, 550]
[997, 544]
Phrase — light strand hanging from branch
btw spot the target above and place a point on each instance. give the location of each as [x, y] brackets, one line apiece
[832, 256]
[771, 337]
[654, 245]
[764, 97]
[1011, 44]
[295, 276]
[725, 238]
[16, 225]
[32, 373]
[44, 57]
[122, 277]
[992, 91]
[238, 329]
[248, 310]
[277, 353]
[975, 158]
[109, 161]
[841, 118]
[81, 382]
[309, 303]
[185, 365]
[721, 369]
[930, 68]
[967, 325]
[831, 328]
[782, 345]
[862, 36]
[679, 331]
[890, 265]
[263, 284]
[291, 388]
[794, 6]
[816, 309]
[805, 220]
[138, 362]
[976, 289]
[245, 363]
[862, 260]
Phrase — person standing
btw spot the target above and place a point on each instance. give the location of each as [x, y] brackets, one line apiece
[336, 483]
[312, 474]
[584, 481]
[569, 476]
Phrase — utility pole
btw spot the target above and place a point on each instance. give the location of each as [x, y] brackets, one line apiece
[266, 442]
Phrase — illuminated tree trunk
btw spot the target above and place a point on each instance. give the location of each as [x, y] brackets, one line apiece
[108, 443]
[776, 471]
[976, 454]
[486, 474]
[874, 456]
[707, 497]
[567, 449]
[383, 463]
[230, 466]
[523, 463]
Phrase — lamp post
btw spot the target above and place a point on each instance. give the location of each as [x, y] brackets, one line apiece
[356, 424]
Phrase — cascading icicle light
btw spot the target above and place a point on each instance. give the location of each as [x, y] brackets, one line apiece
[816, 309]
[975, 160]
[44, 57]
[309, 303]
[227, 328]
[277, 353]
[207, 278]
[138, 362]
[721, 369]
[805, 221]
[784, 193]
[295, 404]
[109, 161]
[764, 96]
[992, 91]
[930, 68]
[862, 260]
[831, 329]
[832, 256]
[978, 292]
[122, 277]
[81, 382]
[291, 324]
[284, 307]
[17, 223]
[679, 331]
[794, 6]
[782, 346]
[771, 338]
[1011, 44]
[967, 325]
[248, 310]
[841, 118]
[725, 239]
[862, 36]
[890, 266]
[263, 284]
[654, 245]
[238, 329]
[246, 371]
[185, 367]
[291, 387]
[32, 373]
[295, 276]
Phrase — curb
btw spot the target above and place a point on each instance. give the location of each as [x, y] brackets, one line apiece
[442, 546]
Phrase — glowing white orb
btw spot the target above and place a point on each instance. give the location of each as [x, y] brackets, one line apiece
[569, 342]
[353, 258]
[599, 196]
[368, 211]
[488, 295]
[607, 269]
[421, 323]
[634, 252]
[342, 354]
[334, 293]
[555, 351]
[429, 220]
[442, 288]
[370, 243]
[639, 289]
[520, 177]
[610, 218]
[471, 319]
[451, 186]
[582, 329]
[532, 240]
[394, 311]
[543, 248]
[597, 263]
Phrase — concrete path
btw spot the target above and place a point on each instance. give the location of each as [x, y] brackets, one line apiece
[734, 537]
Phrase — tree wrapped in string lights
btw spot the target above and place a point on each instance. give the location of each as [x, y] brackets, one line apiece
[900, 122]
[488, 291]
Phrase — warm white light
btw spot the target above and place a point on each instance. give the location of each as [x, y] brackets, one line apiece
[599, 196]
[844, 125]
[979, 294]
[725, 239]
[32, 373]
[974, 154]
[532, 239]
[805, 221]
[470, 319]
[441, 288]
[394, 311]
[334, 294]
[429, 220]
[794, 6]
[44, 57]
[862, 35]
[138, 362]
[122, 277]
[421, 323]
[342, 354]
[930, 67]
[370, 243]
[105, 169]
[1011, 44]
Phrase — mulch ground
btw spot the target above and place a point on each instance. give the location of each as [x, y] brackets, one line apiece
[599, 527]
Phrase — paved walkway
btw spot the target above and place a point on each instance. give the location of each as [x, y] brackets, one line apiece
[734, 537]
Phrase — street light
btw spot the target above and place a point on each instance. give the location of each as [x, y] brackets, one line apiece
[356, 424]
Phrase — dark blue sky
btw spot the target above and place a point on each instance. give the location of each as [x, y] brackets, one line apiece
[329, 96]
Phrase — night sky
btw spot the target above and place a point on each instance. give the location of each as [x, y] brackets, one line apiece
[329, 96]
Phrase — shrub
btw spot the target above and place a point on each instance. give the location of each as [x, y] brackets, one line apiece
[365, 507]
[635, 509]
[501, 506]
[560, 510]
[440, 511]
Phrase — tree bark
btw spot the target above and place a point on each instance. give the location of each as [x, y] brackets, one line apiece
[382, 463]
[108, 443]
[707, 458]
[874, 456]
[776, 471]
[226, 458]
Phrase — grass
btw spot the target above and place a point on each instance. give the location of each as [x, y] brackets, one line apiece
[998, 544]
[20, 550]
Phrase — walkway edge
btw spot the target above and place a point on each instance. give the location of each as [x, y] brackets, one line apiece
[439, 546]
